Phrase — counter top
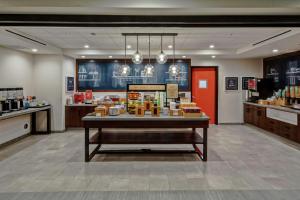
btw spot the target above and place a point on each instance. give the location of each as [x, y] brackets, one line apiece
[81, 104]
[128, 117]
[22, 112]
[282, 108]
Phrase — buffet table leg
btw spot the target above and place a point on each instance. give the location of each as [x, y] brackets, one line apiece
[202, 154]
[86, 145]
[49, 121]
[33, 123]
[204, 144]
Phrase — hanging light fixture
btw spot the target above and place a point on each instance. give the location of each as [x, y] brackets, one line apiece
[137, 57]
[161, 58]
[174, 68]
[149, 69]
[125, 69]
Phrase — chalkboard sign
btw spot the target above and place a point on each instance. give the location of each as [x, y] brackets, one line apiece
[245, 82]
[283, 69]
[70, 84]
[104, 75]
[231, 83]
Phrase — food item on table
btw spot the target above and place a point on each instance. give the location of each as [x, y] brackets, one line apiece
[139, 111]
[114, 111]
[191, 112]
[155, 110]
[101, 111]
[175, 112]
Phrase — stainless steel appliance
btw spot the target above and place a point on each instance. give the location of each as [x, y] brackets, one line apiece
[6, 106]
[15, 104]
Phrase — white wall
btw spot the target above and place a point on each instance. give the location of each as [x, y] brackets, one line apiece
[44, 77]
[48, 85]
[231, 103]
[68, 69]
[16, 70]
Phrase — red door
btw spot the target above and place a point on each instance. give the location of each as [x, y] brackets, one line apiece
[204, 91]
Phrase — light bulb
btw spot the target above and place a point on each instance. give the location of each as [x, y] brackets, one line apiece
[161, 58]
[174, 69]
[149, 70]
[137, 58]
[124, 70]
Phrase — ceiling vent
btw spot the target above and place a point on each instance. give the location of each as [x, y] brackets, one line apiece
[26, 37]
[272, 37]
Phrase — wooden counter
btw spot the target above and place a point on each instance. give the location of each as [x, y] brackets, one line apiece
[184, 133]
[281, 121]
[74, 113]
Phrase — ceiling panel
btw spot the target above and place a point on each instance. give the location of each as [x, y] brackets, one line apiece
[226, 40]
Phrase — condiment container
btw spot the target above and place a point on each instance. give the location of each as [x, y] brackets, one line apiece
[100, 111]
[139, 111]
[155, 111]
[114, 111]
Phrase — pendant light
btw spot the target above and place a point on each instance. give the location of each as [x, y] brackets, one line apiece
[174, 69]
[161, 58]
[149, 69]
[125, 69]
[137, 57]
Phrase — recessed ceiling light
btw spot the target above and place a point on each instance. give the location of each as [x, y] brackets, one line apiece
[34, 50]
[110, 56]
[129, 46]
[213, 56]
[211, 46]
[183, 56]
[170, 46]
[82, 56]
[275, 50]
[86, 46]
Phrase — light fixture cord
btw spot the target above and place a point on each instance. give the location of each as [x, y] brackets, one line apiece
[161, 42]
[125, 48]
[173, 50]
[137, 43]
[149, 49]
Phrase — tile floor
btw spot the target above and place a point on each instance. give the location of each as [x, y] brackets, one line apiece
[243, 163]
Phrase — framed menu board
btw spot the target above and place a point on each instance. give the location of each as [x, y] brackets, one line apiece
[284, 70]
[245, 82]
[101, 75]
[172, 91]
[231, 83]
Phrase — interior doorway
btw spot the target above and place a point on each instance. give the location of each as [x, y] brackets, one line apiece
[205, 90]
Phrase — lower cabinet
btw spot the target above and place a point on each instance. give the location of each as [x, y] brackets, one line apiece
[256, 115]
[74, 114]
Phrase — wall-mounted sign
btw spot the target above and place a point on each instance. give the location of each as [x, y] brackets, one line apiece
[150, 87]
[231, 83]
[70, 83]
[172, 91]
[245, 82]
[102, 75]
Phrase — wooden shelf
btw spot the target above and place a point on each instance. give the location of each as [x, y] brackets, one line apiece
[146, 137]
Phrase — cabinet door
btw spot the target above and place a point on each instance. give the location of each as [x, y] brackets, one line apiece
[75, 121]
[248, 113]
[260, 116]
[288, 131]
[272, 125]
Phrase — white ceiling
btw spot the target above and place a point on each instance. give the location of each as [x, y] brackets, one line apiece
[229, 42]
[153, 7]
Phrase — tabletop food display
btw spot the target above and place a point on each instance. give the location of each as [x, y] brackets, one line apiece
[145, 116]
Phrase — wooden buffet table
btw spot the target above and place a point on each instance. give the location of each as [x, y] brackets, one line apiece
[111, 130]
